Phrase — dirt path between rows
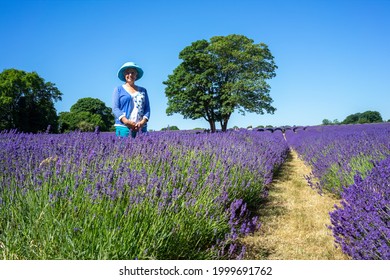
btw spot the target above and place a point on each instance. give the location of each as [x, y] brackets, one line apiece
[294, 220]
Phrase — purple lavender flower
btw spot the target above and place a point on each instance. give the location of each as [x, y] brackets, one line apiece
[361, 226]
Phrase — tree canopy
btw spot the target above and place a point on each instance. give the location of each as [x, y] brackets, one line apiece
[85, 115]
[366, 117]
[329, 122]
[215, 78]
[27, 101]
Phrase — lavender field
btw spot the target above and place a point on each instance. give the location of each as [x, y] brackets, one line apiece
[352, 162]
[182, 195]
[166, 195]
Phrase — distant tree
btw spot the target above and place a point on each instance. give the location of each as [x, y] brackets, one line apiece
[85, 115]
[86, 126]
[329, 122]
[370, 117]
[366, 117]
[172, 127]
[215, 78]
[27, 101]
[351, 119]
[99, 112]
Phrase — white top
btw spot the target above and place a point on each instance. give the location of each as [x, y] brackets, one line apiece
[134, 114]
[137, 101]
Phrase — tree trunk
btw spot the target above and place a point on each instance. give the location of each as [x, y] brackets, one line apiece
[223, 126]
[212, 126]
[224, 123]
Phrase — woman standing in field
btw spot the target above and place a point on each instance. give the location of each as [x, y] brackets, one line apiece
[130, 102]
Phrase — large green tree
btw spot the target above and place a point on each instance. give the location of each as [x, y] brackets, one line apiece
[86, 114]
[27, 101]
[217, 77]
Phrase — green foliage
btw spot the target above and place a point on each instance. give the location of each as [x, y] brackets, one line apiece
[173, 127]
[215, 78]
[27, 101]
[85, 115]
[336, 177]
[329, 122]
[366, 117]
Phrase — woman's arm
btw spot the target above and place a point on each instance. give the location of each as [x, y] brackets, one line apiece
[118, 113]
[146, 106]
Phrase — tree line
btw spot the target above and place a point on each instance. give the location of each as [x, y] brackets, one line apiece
[358, 118]
[27, 104]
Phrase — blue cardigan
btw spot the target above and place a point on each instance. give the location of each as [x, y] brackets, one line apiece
[123, 104]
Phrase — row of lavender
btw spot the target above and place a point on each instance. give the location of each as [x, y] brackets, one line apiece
[353, 162]
[166, 195]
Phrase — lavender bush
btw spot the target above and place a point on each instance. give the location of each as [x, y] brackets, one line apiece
[170, 195]
[337, 153]
[361, 226]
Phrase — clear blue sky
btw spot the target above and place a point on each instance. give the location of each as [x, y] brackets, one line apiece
[333, 57]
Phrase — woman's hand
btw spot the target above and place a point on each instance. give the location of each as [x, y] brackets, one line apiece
[130, 124]
[140, 124]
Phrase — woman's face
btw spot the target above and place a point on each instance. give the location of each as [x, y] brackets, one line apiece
[131, 75]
